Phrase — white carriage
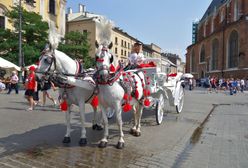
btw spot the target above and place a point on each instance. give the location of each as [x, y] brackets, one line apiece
[166, 90]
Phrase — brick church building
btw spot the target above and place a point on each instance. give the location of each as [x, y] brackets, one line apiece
[221, 41]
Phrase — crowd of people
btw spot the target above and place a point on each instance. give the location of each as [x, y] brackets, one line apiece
[214, 84]
[231, 84]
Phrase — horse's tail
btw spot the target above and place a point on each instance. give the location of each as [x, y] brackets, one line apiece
[54, 37]
[104, 30]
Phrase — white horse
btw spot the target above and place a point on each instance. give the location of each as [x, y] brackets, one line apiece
[111, 94]
[55, 62]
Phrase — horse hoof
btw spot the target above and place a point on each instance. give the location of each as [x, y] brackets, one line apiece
[120, 145]
[97, 127]
[66, 140]
[83, 141]
[137, 134]
[94, 126]
[132, 131]
[102, 144]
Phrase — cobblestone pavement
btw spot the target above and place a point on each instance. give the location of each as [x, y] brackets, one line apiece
[224, 140]
[33, 139]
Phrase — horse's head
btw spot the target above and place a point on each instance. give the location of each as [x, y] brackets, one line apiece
[47, 63]
[104, 59]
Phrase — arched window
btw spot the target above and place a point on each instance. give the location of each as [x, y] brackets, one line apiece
[233, 50]
[215, 51]
[52, 6]
[202, 54]
[192, 61]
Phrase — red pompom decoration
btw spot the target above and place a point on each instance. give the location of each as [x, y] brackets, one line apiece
[136, 94]
[146, 92]
[125, 97]
[64, 106]
[94, 102]
[147, 102]
[126, 80]
[124, 74]
[112, 68]
[127, 107]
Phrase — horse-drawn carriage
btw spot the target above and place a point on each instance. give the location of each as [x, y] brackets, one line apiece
[166, 90]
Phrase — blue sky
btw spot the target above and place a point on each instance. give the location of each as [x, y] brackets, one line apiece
[166, 23]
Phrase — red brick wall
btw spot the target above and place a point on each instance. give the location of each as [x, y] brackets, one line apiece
[241, 26]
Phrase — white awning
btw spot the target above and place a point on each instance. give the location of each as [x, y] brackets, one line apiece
[4, 64]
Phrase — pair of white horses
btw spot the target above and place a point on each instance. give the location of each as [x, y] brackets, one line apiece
[110, 92]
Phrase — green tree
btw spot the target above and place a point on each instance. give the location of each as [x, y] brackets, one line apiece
[34, 36]
[76, 45]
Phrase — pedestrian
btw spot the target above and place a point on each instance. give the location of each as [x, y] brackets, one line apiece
[190, 84]
[47, 86]
[242, 85]
[230, 86]
[13, 82]
[31, 87]
[36, 94]
[2, 86]
[208, 85]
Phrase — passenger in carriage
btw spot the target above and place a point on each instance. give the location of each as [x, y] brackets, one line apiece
[136, 57]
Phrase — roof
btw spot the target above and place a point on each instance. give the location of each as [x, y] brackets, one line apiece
[215, 4]
[81, 18]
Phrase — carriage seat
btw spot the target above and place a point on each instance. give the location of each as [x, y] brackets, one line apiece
[173, 79]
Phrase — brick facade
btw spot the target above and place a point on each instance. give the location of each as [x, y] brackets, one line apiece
[223, 34]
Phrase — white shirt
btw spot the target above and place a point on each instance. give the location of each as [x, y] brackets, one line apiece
[242, 82]
[135, 58]
[14, 79]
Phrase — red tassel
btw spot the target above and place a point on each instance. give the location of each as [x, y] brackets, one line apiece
[112, 68]
[147, 102]
[94, 102]
[136, 94]
[64, 106]
[127, 107]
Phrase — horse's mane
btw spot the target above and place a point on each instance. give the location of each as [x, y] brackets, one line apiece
[104, 30]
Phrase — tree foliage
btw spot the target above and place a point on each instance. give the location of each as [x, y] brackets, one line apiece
[34, 36]
[76, 45]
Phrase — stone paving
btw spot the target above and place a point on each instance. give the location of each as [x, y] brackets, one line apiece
[167, 145]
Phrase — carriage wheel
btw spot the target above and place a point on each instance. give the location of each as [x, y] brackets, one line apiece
[160, 109]
[179, 106]
[110, 113]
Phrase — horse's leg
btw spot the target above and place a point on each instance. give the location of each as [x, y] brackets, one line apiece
[133, 129]
[96, 120]
[104, 141]
[67, 138]
[83, 139]
[118, 110]
[139, 115]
